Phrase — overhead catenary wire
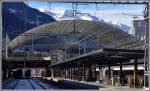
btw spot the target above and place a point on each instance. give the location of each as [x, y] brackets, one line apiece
[97, 8]
[25, 29]
[49, 6]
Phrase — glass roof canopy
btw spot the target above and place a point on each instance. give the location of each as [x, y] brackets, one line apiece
[104, 34]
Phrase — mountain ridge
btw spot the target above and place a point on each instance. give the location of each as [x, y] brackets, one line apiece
[68, 15]
[15, 14]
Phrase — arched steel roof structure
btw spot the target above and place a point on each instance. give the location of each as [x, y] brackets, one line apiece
[107, 35]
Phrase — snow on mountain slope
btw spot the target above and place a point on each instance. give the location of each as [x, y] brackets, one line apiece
[68, 15]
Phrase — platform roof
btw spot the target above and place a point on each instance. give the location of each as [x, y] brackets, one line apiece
[105, 34]
[103, 56]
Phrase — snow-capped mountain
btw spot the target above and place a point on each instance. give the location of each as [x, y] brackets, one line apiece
[68, 15]
[120, 26]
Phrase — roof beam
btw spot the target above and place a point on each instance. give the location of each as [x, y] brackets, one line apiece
[97, 31]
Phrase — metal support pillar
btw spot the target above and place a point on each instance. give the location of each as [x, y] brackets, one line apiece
[65, 54]
[79, 50]
[65, 73]
[147, 49]
[100, 74]
[109, 72]
[68, 73]
[60, 72]
[62, 76]
[121, 73]
[1, 40]
[52, 72]
[6, 49]
[78, 67]
[148, 39]
[135, 72]
[89, 72]
[71, 74]
[97, 43]
[84, 47]
[32, 44]
[83, 72]
[95, 77]
[74, 75]
[55, 72]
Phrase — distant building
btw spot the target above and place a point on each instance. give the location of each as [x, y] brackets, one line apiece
[138, 29]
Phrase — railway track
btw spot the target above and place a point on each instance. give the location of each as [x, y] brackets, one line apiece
[27, 84]
[13, 87]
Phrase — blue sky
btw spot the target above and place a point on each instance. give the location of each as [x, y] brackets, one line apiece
[108, 11]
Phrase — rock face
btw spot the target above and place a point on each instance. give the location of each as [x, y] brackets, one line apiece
[17, 15]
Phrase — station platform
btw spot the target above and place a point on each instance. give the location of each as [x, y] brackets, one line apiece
[97, 86]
